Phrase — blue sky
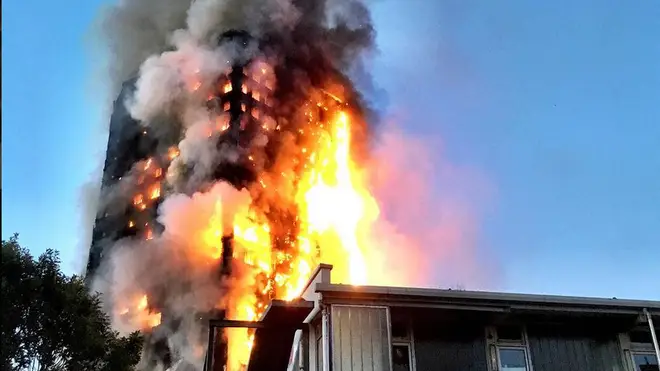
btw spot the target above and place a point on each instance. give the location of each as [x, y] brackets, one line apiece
[558, 104]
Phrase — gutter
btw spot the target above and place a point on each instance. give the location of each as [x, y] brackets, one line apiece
[525, 302]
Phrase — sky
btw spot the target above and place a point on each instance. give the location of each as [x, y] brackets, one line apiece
[556, 104]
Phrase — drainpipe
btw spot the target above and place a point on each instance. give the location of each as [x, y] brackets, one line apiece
[325, 330]
[649, 319]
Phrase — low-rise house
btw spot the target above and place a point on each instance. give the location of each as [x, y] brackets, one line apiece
[367, 328]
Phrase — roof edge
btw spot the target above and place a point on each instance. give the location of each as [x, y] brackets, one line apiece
[508, 299]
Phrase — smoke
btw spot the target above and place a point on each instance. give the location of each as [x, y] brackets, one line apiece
[88, 204]
[132, 31]
[431, 207]
[176, 267]
[172, 48]
[166, 80]
[212, 182]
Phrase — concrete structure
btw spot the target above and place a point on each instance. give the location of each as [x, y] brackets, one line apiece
[408, 329]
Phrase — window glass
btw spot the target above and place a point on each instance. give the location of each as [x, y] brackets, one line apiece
[400, 358]
[645, 362]
[512, 359]
[399, 329]
[641, 336]
[509, 333]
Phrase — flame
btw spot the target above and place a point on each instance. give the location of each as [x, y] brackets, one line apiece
[172, 153]
[213, 234]
[139, 315]
[311, 206]
[138, 200]
[154, 191]
[333, 209]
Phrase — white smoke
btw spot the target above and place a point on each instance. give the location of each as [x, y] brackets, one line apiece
[179, 262]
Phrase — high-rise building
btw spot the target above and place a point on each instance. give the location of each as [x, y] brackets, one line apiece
[130, 142]
[240, 99]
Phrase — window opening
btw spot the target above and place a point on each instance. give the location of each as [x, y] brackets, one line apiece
[401, 357]
[402, 344]
[512, 359]
[510, 333]
[645, 361]
[507, 348]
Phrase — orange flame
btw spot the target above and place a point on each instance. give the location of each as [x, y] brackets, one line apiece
[154, 191]
[318, 181]
[138, 200]
[139, 315]
[329, 178]
[172, 153]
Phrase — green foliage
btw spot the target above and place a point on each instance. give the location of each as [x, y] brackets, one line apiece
[51, 322]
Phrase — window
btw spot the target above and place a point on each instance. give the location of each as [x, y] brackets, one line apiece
[512, 359]
[509, 333]
[645, 362]
[402, 344]
[637, 346]
[507, 347]
[400, 330]
[401, 357]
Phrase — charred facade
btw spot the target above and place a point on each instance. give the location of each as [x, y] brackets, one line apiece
[245, 105]
[130, 143]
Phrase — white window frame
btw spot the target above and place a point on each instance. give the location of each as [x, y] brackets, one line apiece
[411, 356]
[494, 345]
[408, 341]
[514, 347]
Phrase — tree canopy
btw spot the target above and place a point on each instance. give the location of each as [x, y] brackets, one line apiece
[51, 322]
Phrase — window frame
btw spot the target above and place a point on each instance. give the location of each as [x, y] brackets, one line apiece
[408, 340]
[632, 354]
[630, 348]
[408, 345]
[499, 349]
[494, 344]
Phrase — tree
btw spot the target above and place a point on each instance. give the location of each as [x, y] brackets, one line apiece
[51, 322]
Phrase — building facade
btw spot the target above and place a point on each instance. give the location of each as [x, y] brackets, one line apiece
[406, 329]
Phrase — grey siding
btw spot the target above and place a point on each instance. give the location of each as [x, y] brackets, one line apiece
[450, 349]
[360, 340]
[560, 351]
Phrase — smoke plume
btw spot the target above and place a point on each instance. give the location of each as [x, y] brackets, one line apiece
[288, 174]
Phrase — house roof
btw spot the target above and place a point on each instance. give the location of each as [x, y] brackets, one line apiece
[274, 337]
[483, 301]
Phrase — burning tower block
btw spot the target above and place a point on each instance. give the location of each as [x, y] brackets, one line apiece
[275, 126]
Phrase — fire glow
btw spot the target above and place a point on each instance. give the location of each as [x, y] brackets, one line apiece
[256, 164]
[333, 212]
[139, 314]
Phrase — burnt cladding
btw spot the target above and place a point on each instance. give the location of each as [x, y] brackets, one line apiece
[129, 143]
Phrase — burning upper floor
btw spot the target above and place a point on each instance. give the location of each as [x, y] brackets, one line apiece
[272, 155]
